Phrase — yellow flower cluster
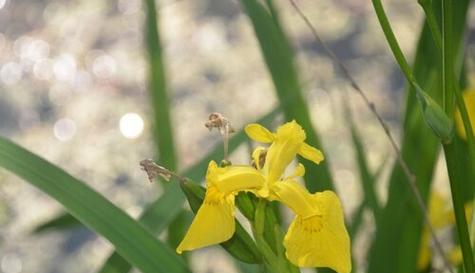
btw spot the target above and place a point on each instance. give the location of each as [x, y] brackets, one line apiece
[317, 237]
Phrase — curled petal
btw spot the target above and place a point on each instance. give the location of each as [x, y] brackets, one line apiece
[322, 240]
[259, 133]
[213, 223]
[298, 172]
[311, 153]
[232, 179]
[296, 197]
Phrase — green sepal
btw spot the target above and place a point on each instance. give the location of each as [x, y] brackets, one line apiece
[246, 202]
[435, 117]
[195, 194]
[240, 246]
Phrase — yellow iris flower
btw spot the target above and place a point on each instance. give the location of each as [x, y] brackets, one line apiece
[469, 99]
[317, 237]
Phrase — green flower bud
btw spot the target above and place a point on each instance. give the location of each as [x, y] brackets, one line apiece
[435, 117]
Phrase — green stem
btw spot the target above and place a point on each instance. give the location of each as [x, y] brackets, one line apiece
[393, 44]
[272, 261]
[453, 167]
[396, 49]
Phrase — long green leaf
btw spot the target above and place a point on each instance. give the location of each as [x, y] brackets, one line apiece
[279, 59]
[158, 90]
[130, 238]
[160, 213]
[160, 102]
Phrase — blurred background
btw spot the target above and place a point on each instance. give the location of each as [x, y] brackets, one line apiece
[73, 89]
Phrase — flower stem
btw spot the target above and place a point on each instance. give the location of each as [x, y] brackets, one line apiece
[272, 261]
[392, 41]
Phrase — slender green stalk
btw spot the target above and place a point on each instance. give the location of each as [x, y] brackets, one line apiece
[453, 167]
[392, 41]
[273, 263]
[158, 90]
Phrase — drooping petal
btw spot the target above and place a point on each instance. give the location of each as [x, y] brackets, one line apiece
[289, 138]
[296, 197]
[232, 179]
[322, 240]
[259, 133]
[469, 99]
[213, 223]
[311, 153]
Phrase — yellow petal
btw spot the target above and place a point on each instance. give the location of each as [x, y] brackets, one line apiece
[232, 179]
[213, 223]
[469, 98]
[288, 140]
[296, 197]
[311, 153]
[424, 251]
[259, 133]
[320, 241]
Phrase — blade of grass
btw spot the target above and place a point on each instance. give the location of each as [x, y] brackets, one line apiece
[158, 90]
[157, 216]
[160, 102]
[130, 239]
[279, 60]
